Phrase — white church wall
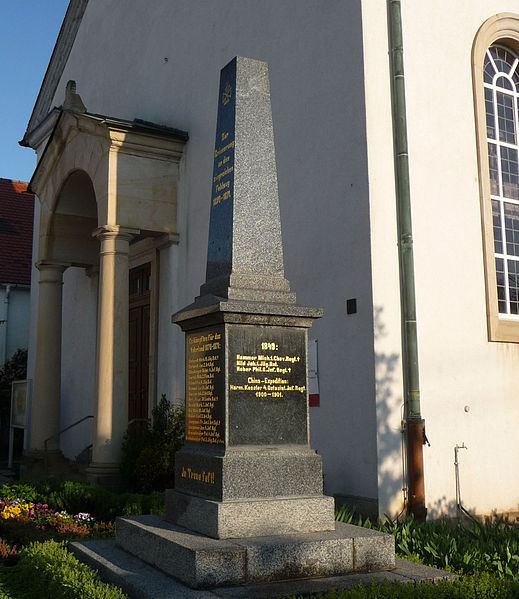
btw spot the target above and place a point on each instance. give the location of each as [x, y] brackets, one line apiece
[314, 51]
[78, 358]
[467, 383]
[386, 285]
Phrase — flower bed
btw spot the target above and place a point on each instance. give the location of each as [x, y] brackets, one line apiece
[23, 521]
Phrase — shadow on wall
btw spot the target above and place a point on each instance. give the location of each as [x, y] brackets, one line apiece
[441, 508]
[391, 481]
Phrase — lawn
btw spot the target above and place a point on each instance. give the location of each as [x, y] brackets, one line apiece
[37, 520]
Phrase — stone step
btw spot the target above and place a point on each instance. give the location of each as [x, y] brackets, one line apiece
[250, 517]
[141, 581]
[203, 562]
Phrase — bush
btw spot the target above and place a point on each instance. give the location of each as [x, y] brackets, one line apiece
[148, 453]
[489, 546]
[75, 497]
[14, 369]
[48, 570]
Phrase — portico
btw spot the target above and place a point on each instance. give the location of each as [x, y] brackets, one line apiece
[103, 184]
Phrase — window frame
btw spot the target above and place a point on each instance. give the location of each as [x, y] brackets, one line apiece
[501, 29]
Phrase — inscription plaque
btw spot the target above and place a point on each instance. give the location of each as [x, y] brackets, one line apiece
[267, 385]
[219, 251]
[204, 389]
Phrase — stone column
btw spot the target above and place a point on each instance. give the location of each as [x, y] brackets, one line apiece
[111, 401]
[45, 416]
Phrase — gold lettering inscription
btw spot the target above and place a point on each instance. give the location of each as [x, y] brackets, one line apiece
[219, 151]
[202, 399]
[202, 477]
[228, 170]
[274, 386]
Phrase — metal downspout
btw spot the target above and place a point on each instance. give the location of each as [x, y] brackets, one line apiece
[414, 424]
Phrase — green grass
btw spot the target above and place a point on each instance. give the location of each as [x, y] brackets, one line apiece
[485, 555]
[476, 586]
[48, 571]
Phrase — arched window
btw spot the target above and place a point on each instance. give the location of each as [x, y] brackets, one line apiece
[495, 75]
[501, 83]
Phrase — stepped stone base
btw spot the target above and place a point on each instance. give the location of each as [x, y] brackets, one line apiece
[250, 517]
[141, 581]
[202, 562]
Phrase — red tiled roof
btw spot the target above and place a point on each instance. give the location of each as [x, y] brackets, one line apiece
[16, 220]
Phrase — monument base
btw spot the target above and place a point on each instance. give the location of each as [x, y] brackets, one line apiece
[202, 562]
[250, 517]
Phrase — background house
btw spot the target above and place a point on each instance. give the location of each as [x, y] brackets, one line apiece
[130, 160]
[16, 220]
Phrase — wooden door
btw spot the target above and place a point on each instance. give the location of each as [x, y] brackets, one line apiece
[139, 342]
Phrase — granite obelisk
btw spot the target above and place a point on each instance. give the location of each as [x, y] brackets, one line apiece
[246, 462]
[248, 503]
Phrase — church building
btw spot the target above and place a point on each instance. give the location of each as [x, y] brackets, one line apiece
[396, 128]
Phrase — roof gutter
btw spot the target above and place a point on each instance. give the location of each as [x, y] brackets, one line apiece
[414, 426]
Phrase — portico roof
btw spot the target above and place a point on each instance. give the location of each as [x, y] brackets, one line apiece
[53, 119]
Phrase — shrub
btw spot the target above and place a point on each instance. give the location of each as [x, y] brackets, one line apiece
[48, 570]
[6, 552]
[78, 497]
[148, 453]
[14, 369]
[489, 546]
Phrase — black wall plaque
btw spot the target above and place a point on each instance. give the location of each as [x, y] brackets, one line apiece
[267, 385]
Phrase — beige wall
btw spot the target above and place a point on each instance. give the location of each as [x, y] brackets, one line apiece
[458, 366]
[330, 90]
[314, 51]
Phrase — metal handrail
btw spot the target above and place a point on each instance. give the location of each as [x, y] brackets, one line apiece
[58, 435]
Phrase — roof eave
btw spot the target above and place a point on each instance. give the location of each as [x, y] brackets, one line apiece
[58, 60]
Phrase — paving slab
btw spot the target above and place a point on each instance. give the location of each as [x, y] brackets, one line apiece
[140, 581]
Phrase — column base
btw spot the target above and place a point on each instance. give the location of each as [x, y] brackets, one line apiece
[105, 475]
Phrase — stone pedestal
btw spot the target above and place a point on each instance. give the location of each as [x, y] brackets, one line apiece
[246, 468]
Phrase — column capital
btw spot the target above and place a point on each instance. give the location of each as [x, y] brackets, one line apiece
[115, 232]
[57, 266]
[51, 272]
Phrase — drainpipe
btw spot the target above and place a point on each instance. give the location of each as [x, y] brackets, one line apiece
[414, 426]
[3, 323]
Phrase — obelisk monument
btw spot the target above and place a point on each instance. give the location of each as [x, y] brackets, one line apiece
[248, 504]
[246, 463]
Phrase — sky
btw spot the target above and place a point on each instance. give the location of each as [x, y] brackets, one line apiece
[28, 32]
